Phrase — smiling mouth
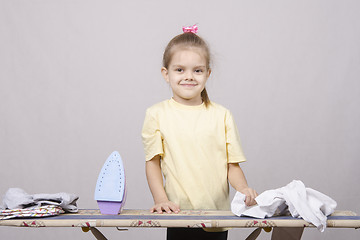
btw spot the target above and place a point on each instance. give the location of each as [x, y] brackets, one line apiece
[188, 85]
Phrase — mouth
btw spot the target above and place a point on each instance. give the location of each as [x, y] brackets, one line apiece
[188, 85]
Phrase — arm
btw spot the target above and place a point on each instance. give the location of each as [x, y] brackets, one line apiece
[238, 181]
[156, 185]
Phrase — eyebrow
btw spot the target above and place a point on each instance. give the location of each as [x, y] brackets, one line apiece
[178, 65]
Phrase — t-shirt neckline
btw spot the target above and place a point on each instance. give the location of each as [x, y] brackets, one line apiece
[183, 106]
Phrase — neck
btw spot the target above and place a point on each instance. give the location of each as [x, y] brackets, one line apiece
[189, 102]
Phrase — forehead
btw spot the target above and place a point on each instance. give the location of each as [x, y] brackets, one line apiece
[188, 55]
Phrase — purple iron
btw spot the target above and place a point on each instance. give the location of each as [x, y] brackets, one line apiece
[110, 191]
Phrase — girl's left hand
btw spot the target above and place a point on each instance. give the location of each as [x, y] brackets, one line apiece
[250, 194]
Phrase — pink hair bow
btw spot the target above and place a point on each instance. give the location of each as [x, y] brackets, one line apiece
[192, 29]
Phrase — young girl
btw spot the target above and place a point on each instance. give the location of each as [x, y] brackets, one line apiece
[192, 141]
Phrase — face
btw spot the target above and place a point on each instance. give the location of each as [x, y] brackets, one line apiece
[187, 75]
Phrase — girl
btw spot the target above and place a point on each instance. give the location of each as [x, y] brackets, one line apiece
[192, 141]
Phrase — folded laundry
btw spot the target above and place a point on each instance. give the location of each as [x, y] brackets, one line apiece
[43, 211]
[294, 198]
[16, 198]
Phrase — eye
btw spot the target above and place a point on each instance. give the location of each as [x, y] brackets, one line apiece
[198, 71]
[179, 70]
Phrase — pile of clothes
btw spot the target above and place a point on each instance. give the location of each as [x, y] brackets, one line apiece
[294, 199]
[18, 203]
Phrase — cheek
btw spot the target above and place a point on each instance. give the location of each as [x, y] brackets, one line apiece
[173, 82]
[204, 80]
[175, 79]
[168, 78]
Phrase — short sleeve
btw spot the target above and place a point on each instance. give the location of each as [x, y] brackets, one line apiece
[234, 150]
[151, 137]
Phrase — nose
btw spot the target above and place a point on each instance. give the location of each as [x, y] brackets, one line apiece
[189, 76]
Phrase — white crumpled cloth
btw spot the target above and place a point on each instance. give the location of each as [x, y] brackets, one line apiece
[301, 202]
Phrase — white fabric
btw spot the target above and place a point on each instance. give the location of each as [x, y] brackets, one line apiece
[16, 198]
[301, 202]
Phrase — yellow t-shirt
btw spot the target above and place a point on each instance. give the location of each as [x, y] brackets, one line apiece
[195, 144]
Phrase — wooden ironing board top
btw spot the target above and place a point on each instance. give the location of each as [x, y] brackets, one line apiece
[187, 218]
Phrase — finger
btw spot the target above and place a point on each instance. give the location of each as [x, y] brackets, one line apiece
[255, 194]
[174, 205]
[249, 201]
[254, 200]
[167, 209]
[159, 210]
[175, 208]
[252, 197]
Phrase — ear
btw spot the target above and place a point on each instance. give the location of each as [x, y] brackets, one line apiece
[165, 74]
[209, 72]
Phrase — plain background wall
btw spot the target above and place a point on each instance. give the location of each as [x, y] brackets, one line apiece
[76, 78]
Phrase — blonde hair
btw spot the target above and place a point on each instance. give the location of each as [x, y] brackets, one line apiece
[188, 40]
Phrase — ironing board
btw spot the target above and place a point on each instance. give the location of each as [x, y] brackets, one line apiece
[90, 219]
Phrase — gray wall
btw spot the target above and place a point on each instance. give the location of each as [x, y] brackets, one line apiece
[77, 76]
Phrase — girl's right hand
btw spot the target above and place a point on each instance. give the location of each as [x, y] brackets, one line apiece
[167, 206]
[250, 194]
